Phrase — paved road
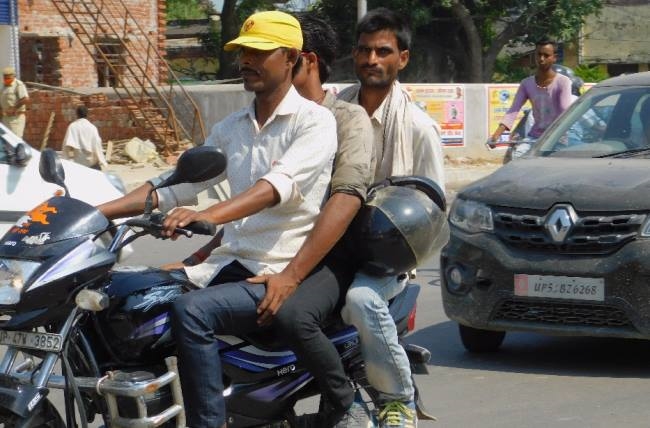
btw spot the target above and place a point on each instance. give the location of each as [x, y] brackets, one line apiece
[534, 381]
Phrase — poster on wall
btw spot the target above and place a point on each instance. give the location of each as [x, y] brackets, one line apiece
[500, 98]
[446, 105]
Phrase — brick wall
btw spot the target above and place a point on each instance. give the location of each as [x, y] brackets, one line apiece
[111, 118]
[63, 60]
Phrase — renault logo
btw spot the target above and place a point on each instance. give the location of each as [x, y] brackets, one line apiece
[560, 221]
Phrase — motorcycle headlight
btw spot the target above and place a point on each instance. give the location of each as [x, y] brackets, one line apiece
[13, 276]
[470, 216]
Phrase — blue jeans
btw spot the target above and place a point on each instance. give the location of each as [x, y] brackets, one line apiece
[366, 308]
[197, 318]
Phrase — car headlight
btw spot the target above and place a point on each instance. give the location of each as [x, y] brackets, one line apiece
[470, 216]
[13, 276]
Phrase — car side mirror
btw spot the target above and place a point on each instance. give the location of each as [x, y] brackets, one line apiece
[17, 156]
[51, 169]
[21, 155]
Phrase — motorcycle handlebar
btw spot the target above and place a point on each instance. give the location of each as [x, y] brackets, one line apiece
[154, 224]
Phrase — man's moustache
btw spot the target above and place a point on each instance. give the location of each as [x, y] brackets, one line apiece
[248, 70]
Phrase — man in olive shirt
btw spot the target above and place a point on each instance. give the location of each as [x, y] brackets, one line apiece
[13, 100]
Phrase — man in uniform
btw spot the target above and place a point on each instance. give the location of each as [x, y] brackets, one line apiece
[13, 101]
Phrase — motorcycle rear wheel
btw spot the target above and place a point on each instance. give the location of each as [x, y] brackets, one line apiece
[46, 417]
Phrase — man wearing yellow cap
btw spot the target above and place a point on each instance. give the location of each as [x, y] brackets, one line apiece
[13, 101]
[280, 153]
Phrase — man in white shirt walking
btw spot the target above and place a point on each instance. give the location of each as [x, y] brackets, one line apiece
[82, 142]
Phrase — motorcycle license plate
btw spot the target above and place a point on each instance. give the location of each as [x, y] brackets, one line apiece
[560, 287]
[32, 340]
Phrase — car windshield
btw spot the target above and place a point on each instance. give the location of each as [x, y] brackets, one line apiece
[605, 122]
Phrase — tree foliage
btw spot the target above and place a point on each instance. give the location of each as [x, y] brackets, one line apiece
[591, 73]
[188, 9]
[467, 36]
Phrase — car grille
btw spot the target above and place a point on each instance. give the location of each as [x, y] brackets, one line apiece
[562, 313]
[591, 234]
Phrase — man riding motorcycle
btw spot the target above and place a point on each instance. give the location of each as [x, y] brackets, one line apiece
[280, 151]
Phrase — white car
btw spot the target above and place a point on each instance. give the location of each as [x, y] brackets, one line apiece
[22, 188]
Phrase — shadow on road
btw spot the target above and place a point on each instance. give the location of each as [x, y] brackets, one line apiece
[539, 354]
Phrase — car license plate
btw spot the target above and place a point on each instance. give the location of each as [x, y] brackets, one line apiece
[32, 340]
[560, 287]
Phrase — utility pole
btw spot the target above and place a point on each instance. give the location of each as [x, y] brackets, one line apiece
[362, 8]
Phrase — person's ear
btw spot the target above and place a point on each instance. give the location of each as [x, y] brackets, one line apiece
[403, 58]
[310, 57]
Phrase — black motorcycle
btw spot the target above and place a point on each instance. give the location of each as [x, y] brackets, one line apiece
[71, 320]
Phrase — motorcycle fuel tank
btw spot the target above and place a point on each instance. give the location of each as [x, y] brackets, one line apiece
[136, 324]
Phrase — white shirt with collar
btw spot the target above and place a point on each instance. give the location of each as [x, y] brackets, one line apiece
[293, 151]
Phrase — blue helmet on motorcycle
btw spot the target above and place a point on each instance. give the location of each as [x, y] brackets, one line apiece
[402, 223]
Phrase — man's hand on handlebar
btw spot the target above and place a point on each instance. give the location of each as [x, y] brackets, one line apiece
[179, 218]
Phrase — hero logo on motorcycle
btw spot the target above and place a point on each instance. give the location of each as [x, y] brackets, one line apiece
[286, 370]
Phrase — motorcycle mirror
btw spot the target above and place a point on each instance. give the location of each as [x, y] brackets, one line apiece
[195, 165]
[51, 169]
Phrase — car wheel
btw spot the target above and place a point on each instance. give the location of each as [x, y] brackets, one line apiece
[477, 340]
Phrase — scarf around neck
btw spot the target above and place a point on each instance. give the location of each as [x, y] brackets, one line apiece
[397, 121]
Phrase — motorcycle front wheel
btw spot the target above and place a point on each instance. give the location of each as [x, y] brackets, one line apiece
[46, 417]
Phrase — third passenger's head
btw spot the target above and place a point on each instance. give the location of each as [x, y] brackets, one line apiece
[382, 48]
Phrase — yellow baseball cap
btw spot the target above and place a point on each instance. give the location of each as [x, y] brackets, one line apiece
[9, 71]
[266, 31]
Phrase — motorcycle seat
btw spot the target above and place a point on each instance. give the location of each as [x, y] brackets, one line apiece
[270, 340]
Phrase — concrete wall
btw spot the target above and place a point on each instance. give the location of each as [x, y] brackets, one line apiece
[619, 34]
[217, 101]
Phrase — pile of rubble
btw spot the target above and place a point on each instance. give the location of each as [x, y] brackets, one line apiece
[138, 151]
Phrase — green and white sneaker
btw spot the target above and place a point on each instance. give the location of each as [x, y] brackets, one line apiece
[397, 414]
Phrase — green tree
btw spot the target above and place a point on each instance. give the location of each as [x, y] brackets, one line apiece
[591, 73]
[233, 14]
[472, 33]
[188, 9]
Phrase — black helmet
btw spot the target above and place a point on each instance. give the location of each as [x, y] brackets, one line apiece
[576, 81]
[402, 223]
